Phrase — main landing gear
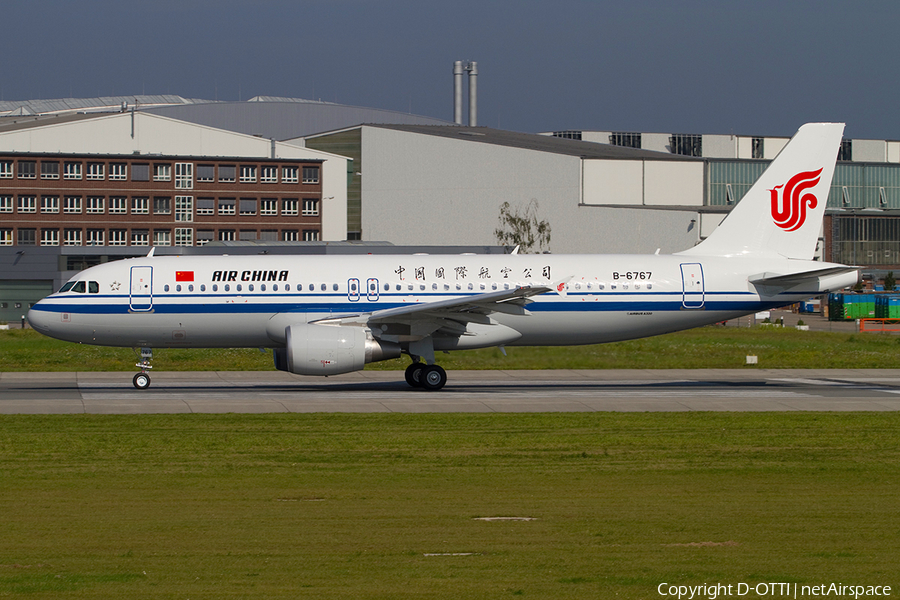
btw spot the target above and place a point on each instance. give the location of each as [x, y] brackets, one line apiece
[427, 377]
[142, 380]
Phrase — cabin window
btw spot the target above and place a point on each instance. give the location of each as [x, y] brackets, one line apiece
[215, 287]
[334, 287]
[287, 287]
[324, 288]
[250, 288]
[262, 287]
[227, 288]
[202, 287]
[93, 287]
[191, 287]
[178, 288]
[166, 288]
[274, 287]
[238, 287]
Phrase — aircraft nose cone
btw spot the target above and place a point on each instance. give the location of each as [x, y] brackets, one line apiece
[39, 319]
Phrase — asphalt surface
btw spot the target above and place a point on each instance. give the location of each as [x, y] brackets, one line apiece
[748, 389]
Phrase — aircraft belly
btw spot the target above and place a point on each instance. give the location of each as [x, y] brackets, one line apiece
[195, 330]
[563, 329]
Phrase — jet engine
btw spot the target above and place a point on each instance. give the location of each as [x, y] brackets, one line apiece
[330, 349]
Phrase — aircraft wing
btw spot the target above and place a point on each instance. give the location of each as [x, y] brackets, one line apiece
[467, 308]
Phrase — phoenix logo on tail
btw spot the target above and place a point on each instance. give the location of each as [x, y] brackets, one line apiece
[790, 212]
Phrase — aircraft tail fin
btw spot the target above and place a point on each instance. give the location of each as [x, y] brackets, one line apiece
[781, 214]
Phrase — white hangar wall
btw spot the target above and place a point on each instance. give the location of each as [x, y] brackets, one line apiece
[425, 189]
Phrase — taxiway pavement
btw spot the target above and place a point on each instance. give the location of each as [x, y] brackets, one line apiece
[466, 391]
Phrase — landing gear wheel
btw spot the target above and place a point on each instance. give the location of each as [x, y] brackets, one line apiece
[141, 381]
[433, 378]
[414, 374]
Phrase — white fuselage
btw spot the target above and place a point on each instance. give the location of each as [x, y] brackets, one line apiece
[246, 301]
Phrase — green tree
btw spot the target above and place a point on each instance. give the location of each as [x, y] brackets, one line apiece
[889, 282]
[521, 227]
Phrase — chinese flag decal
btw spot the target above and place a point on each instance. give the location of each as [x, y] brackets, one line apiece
[184, 275]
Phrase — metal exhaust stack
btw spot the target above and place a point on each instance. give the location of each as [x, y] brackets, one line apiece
[472, 68]
[457, 92]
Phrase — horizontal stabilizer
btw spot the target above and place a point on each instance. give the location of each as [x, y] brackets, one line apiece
[794, 279]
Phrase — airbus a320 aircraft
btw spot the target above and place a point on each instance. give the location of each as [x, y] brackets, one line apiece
[325, 315]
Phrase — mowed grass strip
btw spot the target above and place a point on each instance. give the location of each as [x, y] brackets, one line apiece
[706, 347]
[390, 505]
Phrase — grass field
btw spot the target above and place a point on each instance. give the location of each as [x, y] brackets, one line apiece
[706, 347]
[387, 506]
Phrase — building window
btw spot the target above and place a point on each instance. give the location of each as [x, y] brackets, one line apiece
[310, 207]
[226, 206]
[96, 171]
[162, 205]
[96, 205]
[6, 169]
[289, 207]
[227, 173]
[50, 204]
[248, 174]
[6, 237]
[118, 237]
[72, 237]
[289, 235]
[184, 176]
[686, 144]
[162, 237]
[162, 172]
[206, 206]
[846, 150]
[94, 237]
[568, 134]
[206, 172]
[49, 169]
[758, 148]
[268, 235]
[268, 207]
[184, 236]
[140, 237]
[248, 235]
[27, 169]
[140, 172]
[118, 171]
[6, 204]
[204, 236]
[27, 204]
[628, 140]
[49, 237]
[72, 205]
[310, 235]
[226, 235]
[269, 174]
[248, 206]
[184, 210]
[26, 237]
[118, 205]
[310, 174]
[289, 174]
[72, 170]
[140, 205]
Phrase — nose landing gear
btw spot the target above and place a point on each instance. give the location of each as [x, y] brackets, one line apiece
[142, 380]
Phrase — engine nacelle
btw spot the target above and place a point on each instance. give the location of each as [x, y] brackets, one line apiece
[330, 349]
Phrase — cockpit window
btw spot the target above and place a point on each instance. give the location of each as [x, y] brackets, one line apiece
[78, 287]
[93, 287]
[66, 287]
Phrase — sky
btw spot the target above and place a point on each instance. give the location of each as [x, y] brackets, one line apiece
[689, 66]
